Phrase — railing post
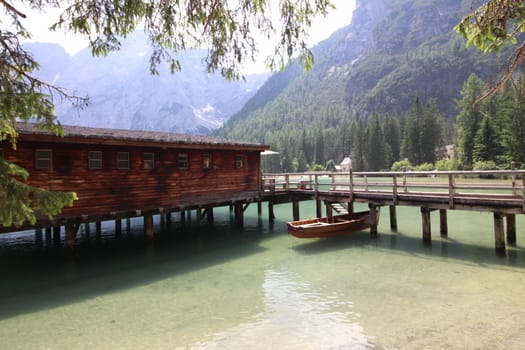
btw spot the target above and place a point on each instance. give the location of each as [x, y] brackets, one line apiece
[451, 190]
[351, 186]
[394, 189]
[316, 185]
[287, 181]
[365, 178]
[513, 178]
[405, 188]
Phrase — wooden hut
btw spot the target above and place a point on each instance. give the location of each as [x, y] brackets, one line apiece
[125, 173]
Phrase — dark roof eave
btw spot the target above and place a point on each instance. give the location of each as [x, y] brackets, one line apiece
[133, 137]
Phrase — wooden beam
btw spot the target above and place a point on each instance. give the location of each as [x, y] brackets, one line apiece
[295, 209]
[148, 225]
[374, 220]
[425, 220]
[393, 217]
[271, 214]
[318, 208]
[499, 234]
[443, 224]
[511, 228]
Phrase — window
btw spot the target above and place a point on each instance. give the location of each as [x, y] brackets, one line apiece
[94, 160]
[206, 161]
[148, 160]
[239, 162]
[43, 159]
[182, 161]
[122, 160]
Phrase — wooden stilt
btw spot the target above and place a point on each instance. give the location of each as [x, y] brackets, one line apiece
[443, 224]
[373, 220]
[295, 209]
[393, 217]
[209, 214]
[56, 235]
[259, 207]
[39, 239]
[350, 207]
[118, 227]
[199, 215]
[98, 227]
[128, 225]
[271, 214]
[329, 209]
[499, 234]
[182, 216]
[511, 228]
[425, 219]
[239, 213]
[148, 226]
[71, 233]
[168, 219]
[318, 208]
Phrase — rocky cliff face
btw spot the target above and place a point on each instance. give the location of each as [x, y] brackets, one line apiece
[123, 93]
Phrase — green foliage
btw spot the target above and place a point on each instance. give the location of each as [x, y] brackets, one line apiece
[19, 202]
[446, 165]
[490, 27]
[424, 167]
[330, 165]
[402, 165]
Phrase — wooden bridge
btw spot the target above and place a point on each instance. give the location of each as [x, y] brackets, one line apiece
[499, 192]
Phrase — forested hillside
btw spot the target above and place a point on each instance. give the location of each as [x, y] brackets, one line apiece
[395, 58]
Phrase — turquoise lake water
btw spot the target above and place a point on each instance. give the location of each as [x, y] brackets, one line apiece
[219, 286]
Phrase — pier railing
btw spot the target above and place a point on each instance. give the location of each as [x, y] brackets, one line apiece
[449, 186]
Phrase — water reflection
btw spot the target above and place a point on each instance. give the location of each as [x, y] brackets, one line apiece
[295, 316]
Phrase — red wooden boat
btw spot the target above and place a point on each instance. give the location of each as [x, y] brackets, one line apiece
[330, 226]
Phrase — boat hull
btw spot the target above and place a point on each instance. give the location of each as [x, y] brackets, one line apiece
[330, 226]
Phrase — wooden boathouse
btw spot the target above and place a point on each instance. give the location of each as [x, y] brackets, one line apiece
[125, 173]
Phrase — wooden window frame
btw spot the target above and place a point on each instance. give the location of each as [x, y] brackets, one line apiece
[120, 161]
[148, 164]
[239, 161]
[92, 162]
[39, 159]
[207, 161]
[183, 161]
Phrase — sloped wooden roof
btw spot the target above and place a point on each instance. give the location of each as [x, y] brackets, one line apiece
[81, 134]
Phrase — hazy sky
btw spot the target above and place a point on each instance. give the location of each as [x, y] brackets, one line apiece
[38, 25]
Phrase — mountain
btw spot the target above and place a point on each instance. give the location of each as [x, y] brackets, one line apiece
[123, 93]
[392, 52]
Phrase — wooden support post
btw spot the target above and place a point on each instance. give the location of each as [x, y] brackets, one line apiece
[71, 233]
[295, 209]
[259, 207]
[148, 226]
[48, 236]
[118, 227]
[168, 219]
[239, 213]
[499, 234]
[39, 239]
[56, 235]
[393, 217]
[425, 219]
[350, 207]
[182, 216]
[511, 228]
[128, 225]
[209, 214]
[271, 214]
[329, 209]
[98, 227]
[318, 208]
[443, 224]
[199, 215]
[373, 220]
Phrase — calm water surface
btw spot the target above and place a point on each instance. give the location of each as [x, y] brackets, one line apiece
[221, 287]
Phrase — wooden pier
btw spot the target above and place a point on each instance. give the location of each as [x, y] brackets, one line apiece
[499, 192]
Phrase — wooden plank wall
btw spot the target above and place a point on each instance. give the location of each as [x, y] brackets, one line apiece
[110, 189]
